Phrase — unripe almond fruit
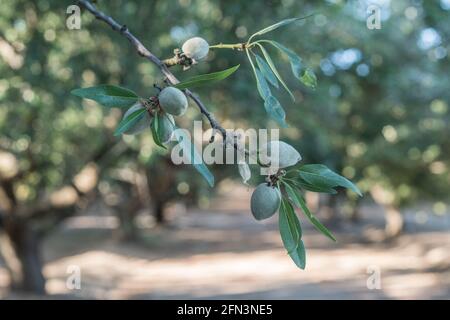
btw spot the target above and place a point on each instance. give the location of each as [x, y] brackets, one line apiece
[279, 154]
[142, 124]
[196, 48]
[173, 101]
[265, 201]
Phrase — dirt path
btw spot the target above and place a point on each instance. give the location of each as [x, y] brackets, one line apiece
[226, 254]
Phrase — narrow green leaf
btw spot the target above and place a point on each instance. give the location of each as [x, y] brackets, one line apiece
[205, 79]
[291, 233]
[192, 155]
[266, 71]
[271, 104]
[108, 95]
[309, 79]
[291, 193]
[319, 226]
[289, 229]
[276, 111]
[130, 121]
[298, 182]
[294, 59]
[155, 127]
[305, 75]
[299, 255]
[275, 26]
[300, 203]
[307, 186]
[319, 175]
[261, 84]
[275, 71]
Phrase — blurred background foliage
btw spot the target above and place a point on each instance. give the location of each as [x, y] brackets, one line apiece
[379, 115]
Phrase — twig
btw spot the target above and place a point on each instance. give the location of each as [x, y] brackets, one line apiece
[144, 52]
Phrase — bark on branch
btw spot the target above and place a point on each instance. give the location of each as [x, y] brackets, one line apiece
[147, 54]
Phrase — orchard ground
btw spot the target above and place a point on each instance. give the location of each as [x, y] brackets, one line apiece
[223, 252]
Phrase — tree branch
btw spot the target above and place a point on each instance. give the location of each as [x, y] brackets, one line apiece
[145, 53]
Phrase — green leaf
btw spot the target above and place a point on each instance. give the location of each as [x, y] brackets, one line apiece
[155, 127]
[319, 226]
[266, 71]
[299, 255]
[289, 225]
[261, 84]
[271, 104]
[205, 79]
[275, 26]
[108, 95]
[192, 155]
[291, 233]
[275, 110]
[319, 175]
[294, 59]
[291, 193]
[307, 186]
[130, 121]
[309, 79]
[298, 182]
[275, 71]
[305, 75]
[300, 203]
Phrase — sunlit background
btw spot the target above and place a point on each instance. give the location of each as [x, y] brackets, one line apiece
[144, 228]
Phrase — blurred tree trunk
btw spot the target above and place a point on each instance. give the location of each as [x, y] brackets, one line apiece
[353, 210]
[20, 248]
[134, 197]
[329, 208]
[128, 230]
[22, 226]
[127, 211]
[355, 213]
[392, 215]
[160, 184]
[158, 211]
[19, 244]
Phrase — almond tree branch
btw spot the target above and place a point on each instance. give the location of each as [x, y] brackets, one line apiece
[145, 53]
